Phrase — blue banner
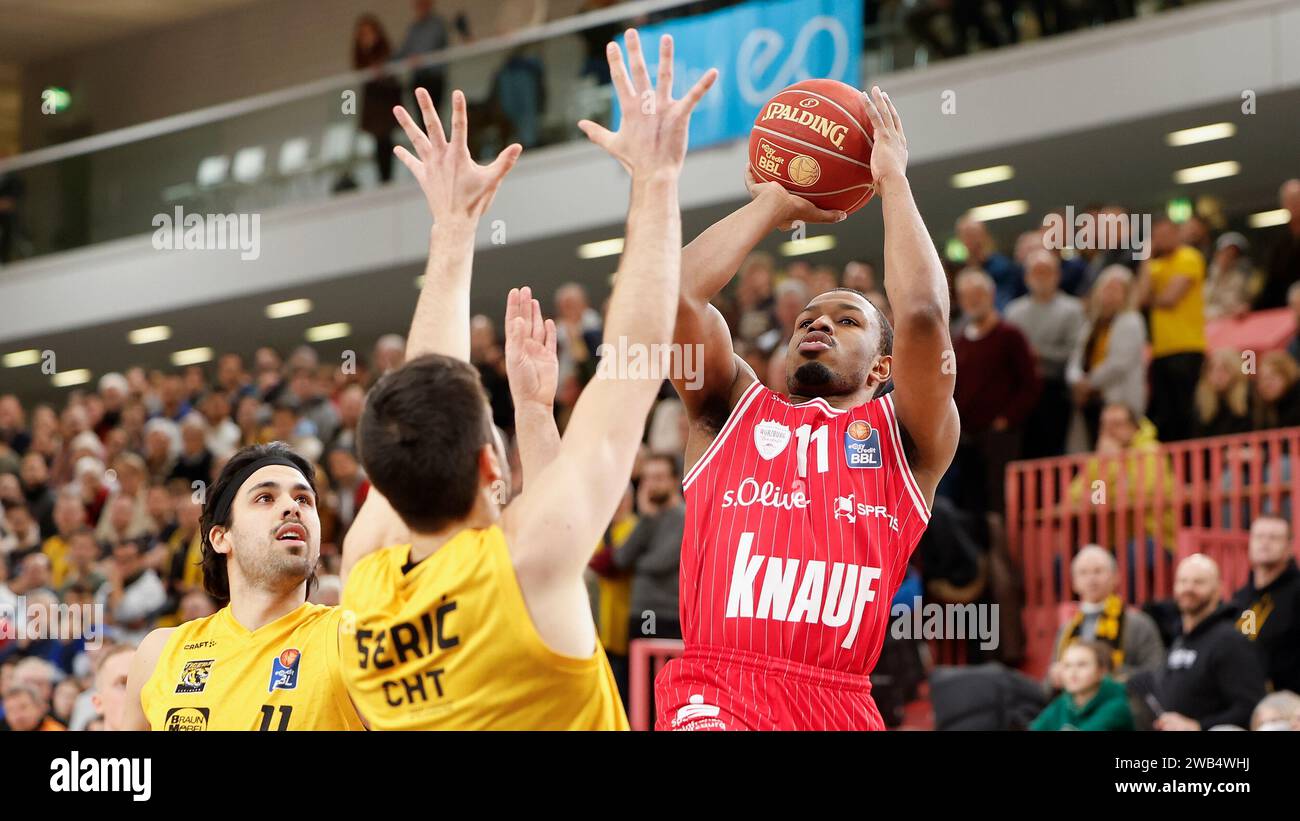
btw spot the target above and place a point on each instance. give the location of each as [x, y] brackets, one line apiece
[758, 48]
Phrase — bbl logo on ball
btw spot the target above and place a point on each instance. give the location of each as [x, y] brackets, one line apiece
[862, 445]
[284, 671]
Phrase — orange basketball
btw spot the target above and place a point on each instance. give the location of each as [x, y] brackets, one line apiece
[815, 139]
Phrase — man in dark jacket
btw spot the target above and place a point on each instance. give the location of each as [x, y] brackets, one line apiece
[1212, 675]
[652, 553]
[1268, 606]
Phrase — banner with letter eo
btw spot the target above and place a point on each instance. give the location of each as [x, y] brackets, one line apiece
[758, 48]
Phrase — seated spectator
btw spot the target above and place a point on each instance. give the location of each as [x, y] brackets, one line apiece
[1105, 366]
[133, 595]
[1293, 303]
[35, 478]
[1277, 711]
[1223, 396]
[997, 386]
[223, 433]
[349, 487]
[1129, 635]
[860, 276]
[1231, 278]
[80, 564]
[791, 297]
[578, 333]
[1128, 442]
[1212, 676]
[1269, 602]
[69, 518]
[1051, 322]
[20, 536]
[1277, 392]
[755, 300]
[111, 670]
[26, 711]
[652, 552]
[1284, 263]
[1091, 700]
[162, 444]
[194, 462]
[1171, 283]
[981, 253]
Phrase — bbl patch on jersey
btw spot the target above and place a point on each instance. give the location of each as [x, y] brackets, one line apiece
[284, 671]
[194, 676]
[186, 719]
[862, 445]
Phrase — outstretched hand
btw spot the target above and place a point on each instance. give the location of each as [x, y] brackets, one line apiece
[532, 366]
[889, 147]
[652, 135]
[455, 187]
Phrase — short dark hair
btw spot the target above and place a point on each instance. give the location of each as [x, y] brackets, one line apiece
[420, 436]
[886, 330]
[668, 459]
[216, 576]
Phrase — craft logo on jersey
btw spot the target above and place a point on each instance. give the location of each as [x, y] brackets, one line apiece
[194, 676]
[284, 671]
[862, 445]
[770, 438]
[186, 719]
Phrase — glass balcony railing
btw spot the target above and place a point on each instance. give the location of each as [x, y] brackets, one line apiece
[310, 143]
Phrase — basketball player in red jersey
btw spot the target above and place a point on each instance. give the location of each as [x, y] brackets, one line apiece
[802, 510]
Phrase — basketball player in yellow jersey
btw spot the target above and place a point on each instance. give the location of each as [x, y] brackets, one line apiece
[268, 660]
[482, 619]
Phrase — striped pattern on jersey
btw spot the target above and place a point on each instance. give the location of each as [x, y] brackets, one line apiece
[800, 521]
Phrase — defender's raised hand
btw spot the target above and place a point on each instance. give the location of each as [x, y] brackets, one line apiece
[455, 187]
[532, 366]
[652, 135]
[889, 149]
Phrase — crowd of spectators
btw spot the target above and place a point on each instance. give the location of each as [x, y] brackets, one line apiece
[100, 495]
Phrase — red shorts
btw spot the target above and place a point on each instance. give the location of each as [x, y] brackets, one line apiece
[712, 688]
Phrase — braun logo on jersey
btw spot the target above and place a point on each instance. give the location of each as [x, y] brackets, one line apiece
[767, 494]
[833, 599]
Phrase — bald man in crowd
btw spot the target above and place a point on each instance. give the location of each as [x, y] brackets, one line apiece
[1212, 675]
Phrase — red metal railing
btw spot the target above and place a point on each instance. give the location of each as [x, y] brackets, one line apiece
[1137, 504]
[646, 657]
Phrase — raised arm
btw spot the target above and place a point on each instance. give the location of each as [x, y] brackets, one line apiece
[708, 264]
[924, 366]
[458, 192]
[532, 368]
[557, 519]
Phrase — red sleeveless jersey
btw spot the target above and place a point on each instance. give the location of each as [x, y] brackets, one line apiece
[799, 523]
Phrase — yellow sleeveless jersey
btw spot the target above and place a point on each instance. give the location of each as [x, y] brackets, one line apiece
[449, 645]
[214, 674]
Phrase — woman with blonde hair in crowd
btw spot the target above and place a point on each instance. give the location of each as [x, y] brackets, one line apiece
[1277, 392]
[1222, 395]
[1107, 365]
